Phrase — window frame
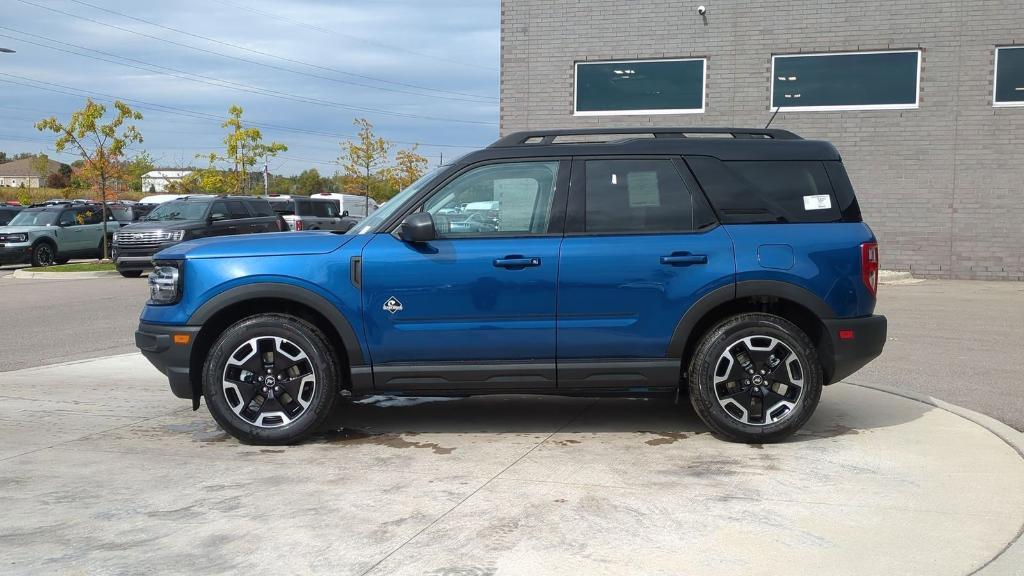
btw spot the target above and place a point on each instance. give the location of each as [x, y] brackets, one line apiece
[995, 80]
[556, 220]
[848, 107]
[640, 112]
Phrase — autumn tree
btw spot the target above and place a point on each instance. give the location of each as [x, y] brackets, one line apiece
[409, 167]
[363, 160]
[244, 147]
[101, 146]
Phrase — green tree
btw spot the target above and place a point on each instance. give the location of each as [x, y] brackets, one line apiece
[243, 148]
[363, 160]
[101, 146]
[136, 167]
[308, 182]
[40, 165]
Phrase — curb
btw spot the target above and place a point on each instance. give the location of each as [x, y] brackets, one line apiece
[24, 273]
[1009, 560]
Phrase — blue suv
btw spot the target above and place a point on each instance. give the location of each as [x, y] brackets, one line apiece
[729, 265]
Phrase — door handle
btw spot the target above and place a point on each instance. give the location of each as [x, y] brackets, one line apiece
[684, 259]
[516, 262]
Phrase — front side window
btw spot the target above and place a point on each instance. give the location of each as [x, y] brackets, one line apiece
[640, 87]
[496, 199]
[636, 196]
[846, 81]
[1009, 80]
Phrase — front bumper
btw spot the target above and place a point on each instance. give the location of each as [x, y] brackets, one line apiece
[136, 257]
[854, 343]
[157, 344]
[16, 253]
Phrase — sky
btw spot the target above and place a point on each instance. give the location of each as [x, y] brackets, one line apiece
[422, 72]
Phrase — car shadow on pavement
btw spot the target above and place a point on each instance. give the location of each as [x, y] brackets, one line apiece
[844, 410]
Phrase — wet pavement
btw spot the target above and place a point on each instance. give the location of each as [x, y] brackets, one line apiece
[102, 470]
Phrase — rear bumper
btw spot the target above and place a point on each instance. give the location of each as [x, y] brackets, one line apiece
[156, 342]
[855, 342]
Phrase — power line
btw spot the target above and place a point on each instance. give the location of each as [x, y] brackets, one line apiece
[246, 49]
[331, 32]
[142, 104]
[193, 77]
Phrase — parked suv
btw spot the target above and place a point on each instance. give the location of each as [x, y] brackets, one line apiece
[46, 235]
[734, 270]
[187, 218]
[303, 213]
[7, 213]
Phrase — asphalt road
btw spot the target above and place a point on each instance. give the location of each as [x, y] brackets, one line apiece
[957, 341]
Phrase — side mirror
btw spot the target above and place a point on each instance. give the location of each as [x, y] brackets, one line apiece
[418, 227]
[344, 214]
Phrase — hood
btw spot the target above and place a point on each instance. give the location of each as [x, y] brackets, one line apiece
[249, 245]
[24, 229]
[141, 225]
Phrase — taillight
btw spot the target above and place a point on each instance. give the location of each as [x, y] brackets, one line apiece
[869, 266]
[298, 224]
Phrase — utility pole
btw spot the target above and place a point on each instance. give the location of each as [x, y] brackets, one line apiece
[266, 178]
[441, 161]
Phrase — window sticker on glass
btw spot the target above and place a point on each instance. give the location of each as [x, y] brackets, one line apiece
[817, 202]
[643, 189]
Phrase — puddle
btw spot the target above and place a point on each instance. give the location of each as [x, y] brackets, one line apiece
[354, 436]
[664, 437]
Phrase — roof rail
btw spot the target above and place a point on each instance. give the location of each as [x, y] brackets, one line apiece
[549, 136]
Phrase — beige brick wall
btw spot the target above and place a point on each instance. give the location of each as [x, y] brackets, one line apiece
[941, 185]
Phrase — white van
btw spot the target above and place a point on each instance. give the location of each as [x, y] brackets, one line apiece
[353, 205]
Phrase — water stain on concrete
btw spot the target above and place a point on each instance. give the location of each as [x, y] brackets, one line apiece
[201, 431]
[353, 436]
[568, 442]
[664, 437]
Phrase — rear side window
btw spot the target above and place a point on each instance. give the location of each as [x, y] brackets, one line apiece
[237, 209]
[324, 208]
[636, 196]
[747, 192]
[283, 207]
[260, 208]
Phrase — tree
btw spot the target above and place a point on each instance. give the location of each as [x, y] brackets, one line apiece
[135, 168]
[40, 165]
[409, 167]
[308, 182]
[363, 160]
[101, 146]
[3, 156]
[243, 148]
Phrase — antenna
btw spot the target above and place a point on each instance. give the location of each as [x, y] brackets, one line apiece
[772, 119]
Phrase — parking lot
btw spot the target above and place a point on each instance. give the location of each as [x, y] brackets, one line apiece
[105, 471]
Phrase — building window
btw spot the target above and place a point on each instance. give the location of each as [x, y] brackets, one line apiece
[637, 87]
[1009, 79]
[847, 81]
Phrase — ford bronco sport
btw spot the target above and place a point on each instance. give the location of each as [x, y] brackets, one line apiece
[728, 265]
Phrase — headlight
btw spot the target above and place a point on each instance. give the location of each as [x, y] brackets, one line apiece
[114, 237]
[165, 284]
[13, 237]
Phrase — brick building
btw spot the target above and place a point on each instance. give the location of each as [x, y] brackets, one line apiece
[924, 99]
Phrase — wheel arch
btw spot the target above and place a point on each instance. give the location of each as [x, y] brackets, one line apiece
[228, 307]
[788, 301]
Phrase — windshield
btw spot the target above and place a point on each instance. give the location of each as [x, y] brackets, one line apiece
[34, 218]
[371, 222]
[178, 210]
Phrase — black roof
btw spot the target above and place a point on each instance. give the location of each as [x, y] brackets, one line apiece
[722, 143]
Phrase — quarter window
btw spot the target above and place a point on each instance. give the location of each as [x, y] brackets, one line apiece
[640, 87]
[324, 209]
[636, 196]
[1009, 79]
[846, 81]
[512, 198]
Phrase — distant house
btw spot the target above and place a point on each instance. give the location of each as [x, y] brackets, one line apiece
[157, 181]
[21, 173]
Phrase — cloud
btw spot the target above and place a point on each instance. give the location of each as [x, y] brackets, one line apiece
[403, 64]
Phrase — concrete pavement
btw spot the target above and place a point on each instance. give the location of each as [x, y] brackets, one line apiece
[103, 471]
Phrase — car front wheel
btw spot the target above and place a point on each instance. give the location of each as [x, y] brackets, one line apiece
[43, 255]
[755, 378]
[271, 379]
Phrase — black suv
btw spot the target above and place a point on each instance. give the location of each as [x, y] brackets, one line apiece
[188, 218]
[8, 212]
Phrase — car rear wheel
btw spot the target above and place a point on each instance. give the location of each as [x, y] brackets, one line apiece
[271, 379]
[755, 378]
[43, 254]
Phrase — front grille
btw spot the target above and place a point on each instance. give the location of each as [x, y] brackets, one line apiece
[140, 239]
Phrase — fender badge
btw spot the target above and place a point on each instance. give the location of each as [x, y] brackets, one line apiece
[393, 305]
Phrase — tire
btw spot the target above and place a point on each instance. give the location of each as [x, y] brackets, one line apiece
[43, 254]
[130, 273]
[62, 260]
[283, 410]
[755, 407]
